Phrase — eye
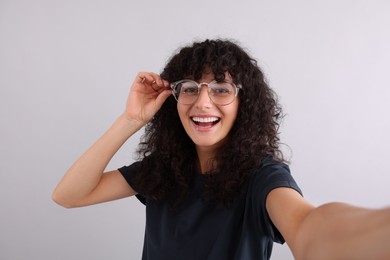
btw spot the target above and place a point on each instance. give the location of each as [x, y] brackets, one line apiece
[189, 90]
[221, 89]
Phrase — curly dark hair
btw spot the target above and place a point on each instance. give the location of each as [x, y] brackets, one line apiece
[169, 157]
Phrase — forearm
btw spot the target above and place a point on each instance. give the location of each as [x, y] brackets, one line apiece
[339, 231]
[84, 175]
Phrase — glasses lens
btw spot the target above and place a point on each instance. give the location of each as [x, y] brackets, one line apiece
[186, 92]
[222, 93]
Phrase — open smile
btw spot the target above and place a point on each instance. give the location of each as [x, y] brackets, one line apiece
[205, 122]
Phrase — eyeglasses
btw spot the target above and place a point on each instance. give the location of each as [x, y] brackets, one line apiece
[221, 93]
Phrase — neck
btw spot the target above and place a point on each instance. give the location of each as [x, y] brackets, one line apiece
[205, 154]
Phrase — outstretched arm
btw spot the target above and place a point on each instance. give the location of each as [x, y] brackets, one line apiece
[84, 183]
[331, 231]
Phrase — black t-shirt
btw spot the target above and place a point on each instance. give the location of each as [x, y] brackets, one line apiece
[200, 231]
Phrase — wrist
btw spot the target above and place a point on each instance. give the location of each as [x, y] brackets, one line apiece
[129, 124]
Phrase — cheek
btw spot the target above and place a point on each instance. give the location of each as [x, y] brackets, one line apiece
[182, 111]
[231, 112]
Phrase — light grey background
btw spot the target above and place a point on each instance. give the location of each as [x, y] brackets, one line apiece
[65, 72]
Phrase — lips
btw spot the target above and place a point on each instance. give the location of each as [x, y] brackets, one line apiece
[205, 122]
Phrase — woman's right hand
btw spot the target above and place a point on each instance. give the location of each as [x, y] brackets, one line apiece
[84, 183]
[146, 97]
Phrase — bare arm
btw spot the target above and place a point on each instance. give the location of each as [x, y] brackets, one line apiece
[332, 231]
[84, 183]
[341, 231]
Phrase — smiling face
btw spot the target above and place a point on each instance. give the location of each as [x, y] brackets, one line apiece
[207, 124]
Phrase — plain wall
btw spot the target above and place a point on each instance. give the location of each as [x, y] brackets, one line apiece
[66, 68]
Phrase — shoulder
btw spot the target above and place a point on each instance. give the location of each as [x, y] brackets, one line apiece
[269, 164]
[130, 171]
[268, 176]
[131, 168]
[271, 174]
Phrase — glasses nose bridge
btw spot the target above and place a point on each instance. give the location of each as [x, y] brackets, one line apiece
[200, 87]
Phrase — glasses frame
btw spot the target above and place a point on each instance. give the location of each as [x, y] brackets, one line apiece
[200, 85]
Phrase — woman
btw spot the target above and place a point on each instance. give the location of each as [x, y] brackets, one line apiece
[211, 174]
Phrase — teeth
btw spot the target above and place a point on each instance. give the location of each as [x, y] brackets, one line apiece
[205, 119]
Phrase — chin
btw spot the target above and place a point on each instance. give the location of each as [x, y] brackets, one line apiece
[207, 144]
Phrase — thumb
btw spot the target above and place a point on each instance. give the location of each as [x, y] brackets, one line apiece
[163, 96]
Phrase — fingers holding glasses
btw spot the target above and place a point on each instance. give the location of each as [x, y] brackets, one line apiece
[153, 81]
[146, 96]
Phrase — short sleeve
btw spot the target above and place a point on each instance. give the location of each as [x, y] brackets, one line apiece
[128, 172]
[270, 175]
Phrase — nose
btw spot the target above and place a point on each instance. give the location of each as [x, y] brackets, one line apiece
[203, 100]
